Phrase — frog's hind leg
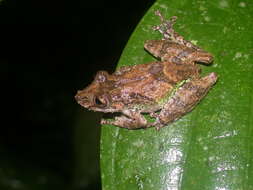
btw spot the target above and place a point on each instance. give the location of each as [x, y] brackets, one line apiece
[185, 99]
[168, 32]
[187, 56]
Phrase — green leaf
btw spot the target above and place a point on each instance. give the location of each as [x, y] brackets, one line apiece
[210, 148]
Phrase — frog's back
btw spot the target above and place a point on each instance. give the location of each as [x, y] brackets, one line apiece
[148, 83]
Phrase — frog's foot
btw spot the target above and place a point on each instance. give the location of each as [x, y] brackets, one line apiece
[132, 121]
[154, 115]
[166, 29]
[157, 123]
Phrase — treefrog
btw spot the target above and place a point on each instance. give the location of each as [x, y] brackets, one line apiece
[165, 89]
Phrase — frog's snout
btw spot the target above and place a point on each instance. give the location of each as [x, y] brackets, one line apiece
[82, 99]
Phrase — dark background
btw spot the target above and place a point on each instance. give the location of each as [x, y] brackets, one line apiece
[49, 49]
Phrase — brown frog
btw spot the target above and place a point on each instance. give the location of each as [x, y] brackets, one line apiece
[165, 89]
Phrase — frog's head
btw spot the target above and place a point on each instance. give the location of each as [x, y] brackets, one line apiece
[97, 96]
[94, 96]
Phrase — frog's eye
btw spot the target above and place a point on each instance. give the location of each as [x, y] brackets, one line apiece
[100, 102]
[97, 101]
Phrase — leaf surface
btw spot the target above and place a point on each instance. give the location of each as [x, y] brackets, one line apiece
[210, 148]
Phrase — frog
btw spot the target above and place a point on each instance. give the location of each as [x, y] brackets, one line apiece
[163, 90]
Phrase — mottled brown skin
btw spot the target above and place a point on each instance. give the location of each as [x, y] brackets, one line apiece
[165, 89]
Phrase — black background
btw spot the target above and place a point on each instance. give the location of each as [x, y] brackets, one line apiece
[49, 49]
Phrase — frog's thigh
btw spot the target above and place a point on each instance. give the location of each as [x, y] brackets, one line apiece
[185, 99]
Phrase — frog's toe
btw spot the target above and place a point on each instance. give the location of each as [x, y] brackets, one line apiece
[154, 115]
[157, 124]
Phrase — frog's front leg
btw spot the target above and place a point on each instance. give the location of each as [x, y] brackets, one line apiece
[129, 119]
[185, 99]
